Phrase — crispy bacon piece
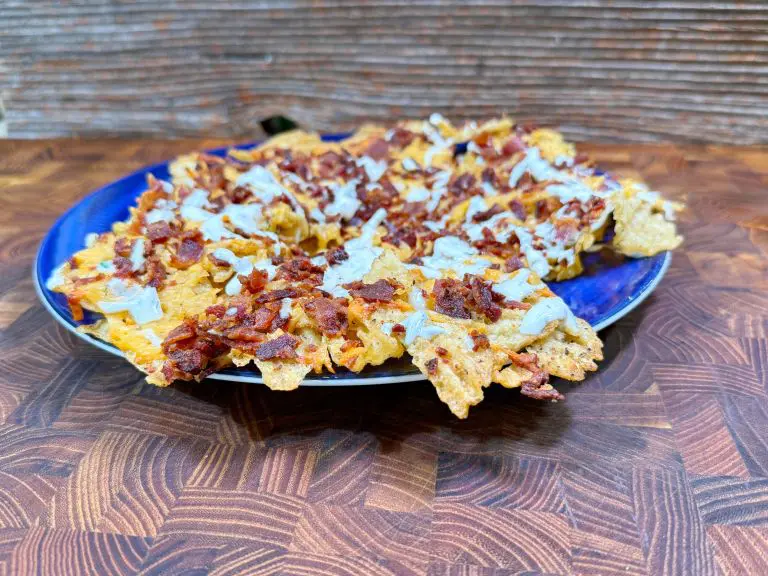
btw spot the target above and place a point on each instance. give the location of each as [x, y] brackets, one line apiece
[283, 347]
[486, 214]
[382, 196]
[239, 194]
[87, 280]
[431, 366]
[123, 247]
[123, 267]
[489, 175]
[274, 295]
[546, 207]
[398, 329]
[300, 269]
[298, 164]
[481, 298]
[255, 281]
[518, 209]
[189, 251]
[379, 291]
[336, 255]
[533, 386]
[156, 272]
[184, 331]
[331, 165]
[159, 232]
[462, 184]
[480, 341]
[442, 352]
[218, 261]
[450, 296]
[512, 264]
[378, 149]
[512, 146]
[400, 137]
[189, 361]
[329, 314]
[218, 310]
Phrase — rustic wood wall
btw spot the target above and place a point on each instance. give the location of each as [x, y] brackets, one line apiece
[631, 70]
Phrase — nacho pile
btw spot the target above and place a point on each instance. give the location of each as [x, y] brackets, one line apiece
[425, 239]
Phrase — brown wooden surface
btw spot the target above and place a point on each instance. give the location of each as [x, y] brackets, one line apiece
[656, 464]
[628, 70]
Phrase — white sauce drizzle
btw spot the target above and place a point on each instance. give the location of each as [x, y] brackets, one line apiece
[373, 169]
[476, 205]
[137, 254]
[517, 287]
[548, 310]
[452, 253]
[362, 254]
[417, 194]
[285, 308]
[56, 278]
[345, 201]
[90, 239]
[417, 325]
[141, 302]
[409, 164]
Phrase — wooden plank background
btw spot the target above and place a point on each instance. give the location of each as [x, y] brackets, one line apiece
[621, 70]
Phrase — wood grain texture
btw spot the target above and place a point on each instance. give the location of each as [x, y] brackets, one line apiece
[626, 70]
[656, 464]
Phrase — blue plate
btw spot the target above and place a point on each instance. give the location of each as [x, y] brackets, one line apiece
[609, 288]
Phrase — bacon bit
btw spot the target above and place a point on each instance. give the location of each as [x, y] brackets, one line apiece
[518, 209]
[76, 309]
[546, 207]
[489, 175]
[331, 165]
[402, 236]
[190, 361]
[123, 267]
[401, 138]
[159, 232]
[274, 295]
[378, 150]
[512, 264]
[462, 184]
[239, 194]
[379, 291]
[480, 341]
[218, 261]
[330, 315]
[431, 366]
[532, 386]
[442, 352]
[182, 332]
[482, 298]
[300, 269]
[283, 347]
[566, 229]
[527, 127]
[218, 310]
[298, 164]
[189, 251]
[88, 280]
[486, 214]
[336, 255]
[512, 146]
[123, 247]
[255, 281]
[398, 329]
[382, 196]
[450, 295]
[156, 273]
[515, 305]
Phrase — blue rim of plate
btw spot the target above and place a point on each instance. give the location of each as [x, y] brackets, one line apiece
[609, 289]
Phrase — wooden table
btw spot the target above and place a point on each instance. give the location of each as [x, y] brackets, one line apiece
[657, 464]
